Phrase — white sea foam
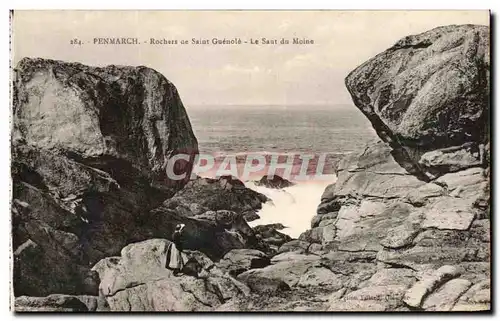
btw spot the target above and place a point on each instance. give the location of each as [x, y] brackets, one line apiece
[293, 206]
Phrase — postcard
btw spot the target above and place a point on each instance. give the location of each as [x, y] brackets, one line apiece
[250, 161]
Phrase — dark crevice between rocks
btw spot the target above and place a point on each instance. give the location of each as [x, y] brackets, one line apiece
[420, 45]
[447, 169]
[131, 286]
[362, 170]
[416, 204]
[259, 263]
[402, 157]
[402, 247]
[128, 304]
[375, 197]
[234, 273]
[21, 172]
[399, 266]
[461, 294]
[412, 308]
[356, 251]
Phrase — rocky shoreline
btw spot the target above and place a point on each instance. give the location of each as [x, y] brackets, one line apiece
[406, 226]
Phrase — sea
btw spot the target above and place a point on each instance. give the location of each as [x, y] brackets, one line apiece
[284, 131]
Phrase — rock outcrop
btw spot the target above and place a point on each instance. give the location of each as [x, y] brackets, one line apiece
[276, 182]
[224, 193]
[139, 281]
[382, 217]
[270, 235]
[417, 202]
[428, 97]
[91, 149]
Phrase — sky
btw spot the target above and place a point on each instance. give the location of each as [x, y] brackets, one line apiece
[246, 74]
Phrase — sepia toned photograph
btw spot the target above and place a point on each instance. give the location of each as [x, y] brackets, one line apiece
[250, 161]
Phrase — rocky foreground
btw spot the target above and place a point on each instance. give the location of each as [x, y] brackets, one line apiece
[405, 227]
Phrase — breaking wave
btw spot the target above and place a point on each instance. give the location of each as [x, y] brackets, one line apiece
[292, 206]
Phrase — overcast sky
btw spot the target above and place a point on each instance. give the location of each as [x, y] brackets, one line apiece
[244, 74]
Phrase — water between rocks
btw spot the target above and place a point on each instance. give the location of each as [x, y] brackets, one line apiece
[292, 206]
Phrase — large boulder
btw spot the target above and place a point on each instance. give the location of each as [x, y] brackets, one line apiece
[429, 93]
[91, 147]
[139, 281]
[103, 117]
